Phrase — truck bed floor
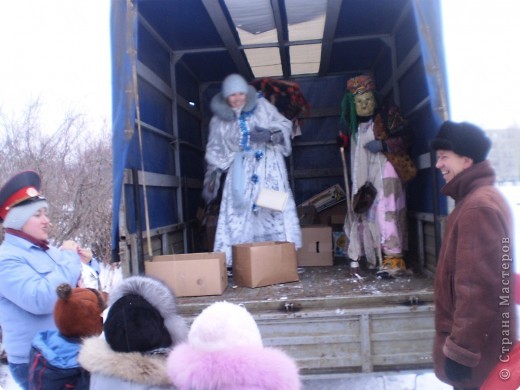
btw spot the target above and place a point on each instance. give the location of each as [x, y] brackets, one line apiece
[322, 286]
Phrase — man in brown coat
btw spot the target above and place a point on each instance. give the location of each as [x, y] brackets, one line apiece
[474, 298]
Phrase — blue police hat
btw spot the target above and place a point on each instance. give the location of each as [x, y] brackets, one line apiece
[19, 189]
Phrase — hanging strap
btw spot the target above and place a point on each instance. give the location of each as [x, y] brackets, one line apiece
[133, 53]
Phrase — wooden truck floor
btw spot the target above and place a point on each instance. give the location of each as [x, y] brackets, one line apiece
[323, 283]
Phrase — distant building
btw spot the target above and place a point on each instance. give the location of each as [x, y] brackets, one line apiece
[504, 154]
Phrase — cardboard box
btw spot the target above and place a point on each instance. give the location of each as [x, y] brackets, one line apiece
[337, 221]
[190, 275]
[264, 263]
[316, 247]
[336, 213]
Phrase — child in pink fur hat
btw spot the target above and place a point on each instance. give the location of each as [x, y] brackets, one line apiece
[225, 351]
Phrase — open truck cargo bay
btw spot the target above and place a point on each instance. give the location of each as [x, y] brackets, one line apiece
[169, 58]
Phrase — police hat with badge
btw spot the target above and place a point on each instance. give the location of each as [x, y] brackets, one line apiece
[20, 198]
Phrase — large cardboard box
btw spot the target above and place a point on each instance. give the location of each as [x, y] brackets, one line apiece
[189, 275]
[316, 247]
[264, 263]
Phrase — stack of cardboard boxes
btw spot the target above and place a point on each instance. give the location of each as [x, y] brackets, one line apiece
[321, 220]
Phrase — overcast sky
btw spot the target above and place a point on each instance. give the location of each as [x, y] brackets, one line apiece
[59, 51]
[483, 58]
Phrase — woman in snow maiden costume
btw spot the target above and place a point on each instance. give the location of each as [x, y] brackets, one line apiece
[30, 269]
[379, 141]
[141, 327]
[248, 139]
[224, 351]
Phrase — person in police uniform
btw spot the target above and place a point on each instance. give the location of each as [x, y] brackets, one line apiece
[30, 269]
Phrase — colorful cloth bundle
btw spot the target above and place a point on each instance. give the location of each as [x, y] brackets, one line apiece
[286, 96]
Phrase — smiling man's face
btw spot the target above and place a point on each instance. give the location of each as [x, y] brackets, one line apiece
[451, 164]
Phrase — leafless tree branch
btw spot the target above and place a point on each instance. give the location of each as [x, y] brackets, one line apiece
[75, 163]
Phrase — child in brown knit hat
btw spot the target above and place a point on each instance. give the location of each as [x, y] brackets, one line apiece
[53, 363]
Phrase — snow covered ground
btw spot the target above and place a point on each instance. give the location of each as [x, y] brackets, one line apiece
[423, 380]
[406, 380]
[6, 381]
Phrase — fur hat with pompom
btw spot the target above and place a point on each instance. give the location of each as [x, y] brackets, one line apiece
[142, 316]
[224, 325]
[78, 311]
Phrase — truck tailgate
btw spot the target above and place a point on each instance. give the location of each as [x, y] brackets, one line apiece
[334, 322]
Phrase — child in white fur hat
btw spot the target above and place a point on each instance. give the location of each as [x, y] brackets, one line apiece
[225, 351]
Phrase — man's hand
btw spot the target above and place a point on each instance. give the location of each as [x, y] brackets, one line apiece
[456, 371]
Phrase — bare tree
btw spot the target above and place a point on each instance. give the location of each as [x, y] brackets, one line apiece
[75, 164]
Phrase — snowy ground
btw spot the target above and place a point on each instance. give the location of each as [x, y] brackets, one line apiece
[423, 380]
[6, 382]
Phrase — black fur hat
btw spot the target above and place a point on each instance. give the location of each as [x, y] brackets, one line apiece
[464, 138]
[143, 317]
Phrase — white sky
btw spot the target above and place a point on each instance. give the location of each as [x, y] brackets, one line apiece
[482, 42]
[59, 51]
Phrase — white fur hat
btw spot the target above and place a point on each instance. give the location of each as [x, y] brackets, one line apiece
[234, 83]
[19, 215]
[224, 325]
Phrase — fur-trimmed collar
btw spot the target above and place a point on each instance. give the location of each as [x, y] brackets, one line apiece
[221, 108]
[476, 176]
[97, 358]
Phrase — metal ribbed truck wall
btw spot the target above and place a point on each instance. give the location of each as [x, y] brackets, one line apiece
[168, 60]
